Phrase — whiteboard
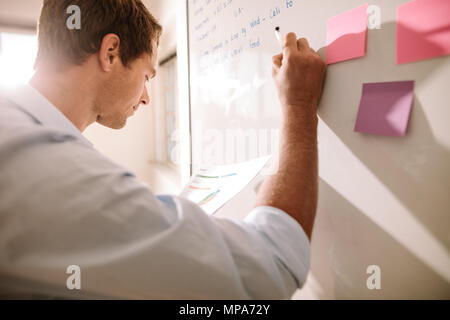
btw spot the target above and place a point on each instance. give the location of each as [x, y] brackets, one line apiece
[383, 201]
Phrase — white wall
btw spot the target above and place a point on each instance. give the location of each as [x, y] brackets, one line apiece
[165, 12]
[132, 146]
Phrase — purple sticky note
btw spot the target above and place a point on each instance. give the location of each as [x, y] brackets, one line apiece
[346, 35]
[385, 108]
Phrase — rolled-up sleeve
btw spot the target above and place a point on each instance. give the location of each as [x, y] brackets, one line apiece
[65, 204]
[266, 256]
[270, 251]
[287, 241]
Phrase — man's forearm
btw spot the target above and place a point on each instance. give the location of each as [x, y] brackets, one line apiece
[293, 188]
[298, 74]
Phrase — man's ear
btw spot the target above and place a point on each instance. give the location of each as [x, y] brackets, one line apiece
[109, 52]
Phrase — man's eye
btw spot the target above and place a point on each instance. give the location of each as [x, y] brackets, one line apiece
[146, 78]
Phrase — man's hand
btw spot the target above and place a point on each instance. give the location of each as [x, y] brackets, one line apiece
[298, 74]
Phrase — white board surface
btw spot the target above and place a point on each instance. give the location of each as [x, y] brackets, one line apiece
[382, 201]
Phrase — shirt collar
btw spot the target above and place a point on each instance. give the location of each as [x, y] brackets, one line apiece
[43, 111]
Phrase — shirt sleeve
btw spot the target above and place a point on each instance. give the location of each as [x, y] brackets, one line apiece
[63, 204]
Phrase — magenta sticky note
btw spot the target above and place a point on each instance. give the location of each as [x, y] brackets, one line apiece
[346, 35]
[385, 108]
[423, 30]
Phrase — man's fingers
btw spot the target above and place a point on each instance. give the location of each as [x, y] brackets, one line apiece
[277, 60]
[290, 43]
[302, 44]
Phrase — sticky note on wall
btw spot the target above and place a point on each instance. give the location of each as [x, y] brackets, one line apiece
[423, 30]
[346, 35]
[385, 108]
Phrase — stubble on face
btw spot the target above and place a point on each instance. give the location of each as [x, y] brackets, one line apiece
[122, 93]
[119, 95]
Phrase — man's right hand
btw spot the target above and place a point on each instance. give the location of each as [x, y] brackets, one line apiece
[298, 73]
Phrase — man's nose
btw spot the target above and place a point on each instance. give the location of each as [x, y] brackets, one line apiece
[145, 98]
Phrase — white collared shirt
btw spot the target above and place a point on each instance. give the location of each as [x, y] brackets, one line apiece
[62, 203]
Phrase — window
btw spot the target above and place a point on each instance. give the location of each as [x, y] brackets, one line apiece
[168, 115]
[17, 55]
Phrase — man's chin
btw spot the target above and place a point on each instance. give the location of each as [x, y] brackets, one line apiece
[116, 125]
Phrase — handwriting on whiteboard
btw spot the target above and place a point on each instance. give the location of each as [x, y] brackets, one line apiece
[223, 29]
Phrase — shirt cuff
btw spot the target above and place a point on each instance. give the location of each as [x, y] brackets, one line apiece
[286, 239]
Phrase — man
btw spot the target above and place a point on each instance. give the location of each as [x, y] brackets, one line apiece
[62, 204]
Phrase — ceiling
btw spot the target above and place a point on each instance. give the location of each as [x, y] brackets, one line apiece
[20, 13]
[26, 12]
[17, 15]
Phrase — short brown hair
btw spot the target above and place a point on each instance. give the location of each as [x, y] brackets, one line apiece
[130, 20]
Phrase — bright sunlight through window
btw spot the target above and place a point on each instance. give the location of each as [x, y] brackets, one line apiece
[17, 54]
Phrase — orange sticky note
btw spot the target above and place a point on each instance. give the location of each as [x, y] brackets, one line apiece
[346, 35]
[423, 30]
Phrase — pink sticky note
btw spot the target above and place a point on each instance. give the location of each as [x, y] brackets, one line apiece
[385, 108]
[346, 35]
[423, 30]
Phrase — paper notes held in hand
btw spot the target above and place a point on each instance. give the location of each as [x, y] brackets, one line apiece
[346, 35]
[385, 108]
[213, 186]
[423, 30]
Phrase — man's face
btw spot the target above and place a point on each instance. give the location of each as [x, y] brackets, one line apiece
[124, 90]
